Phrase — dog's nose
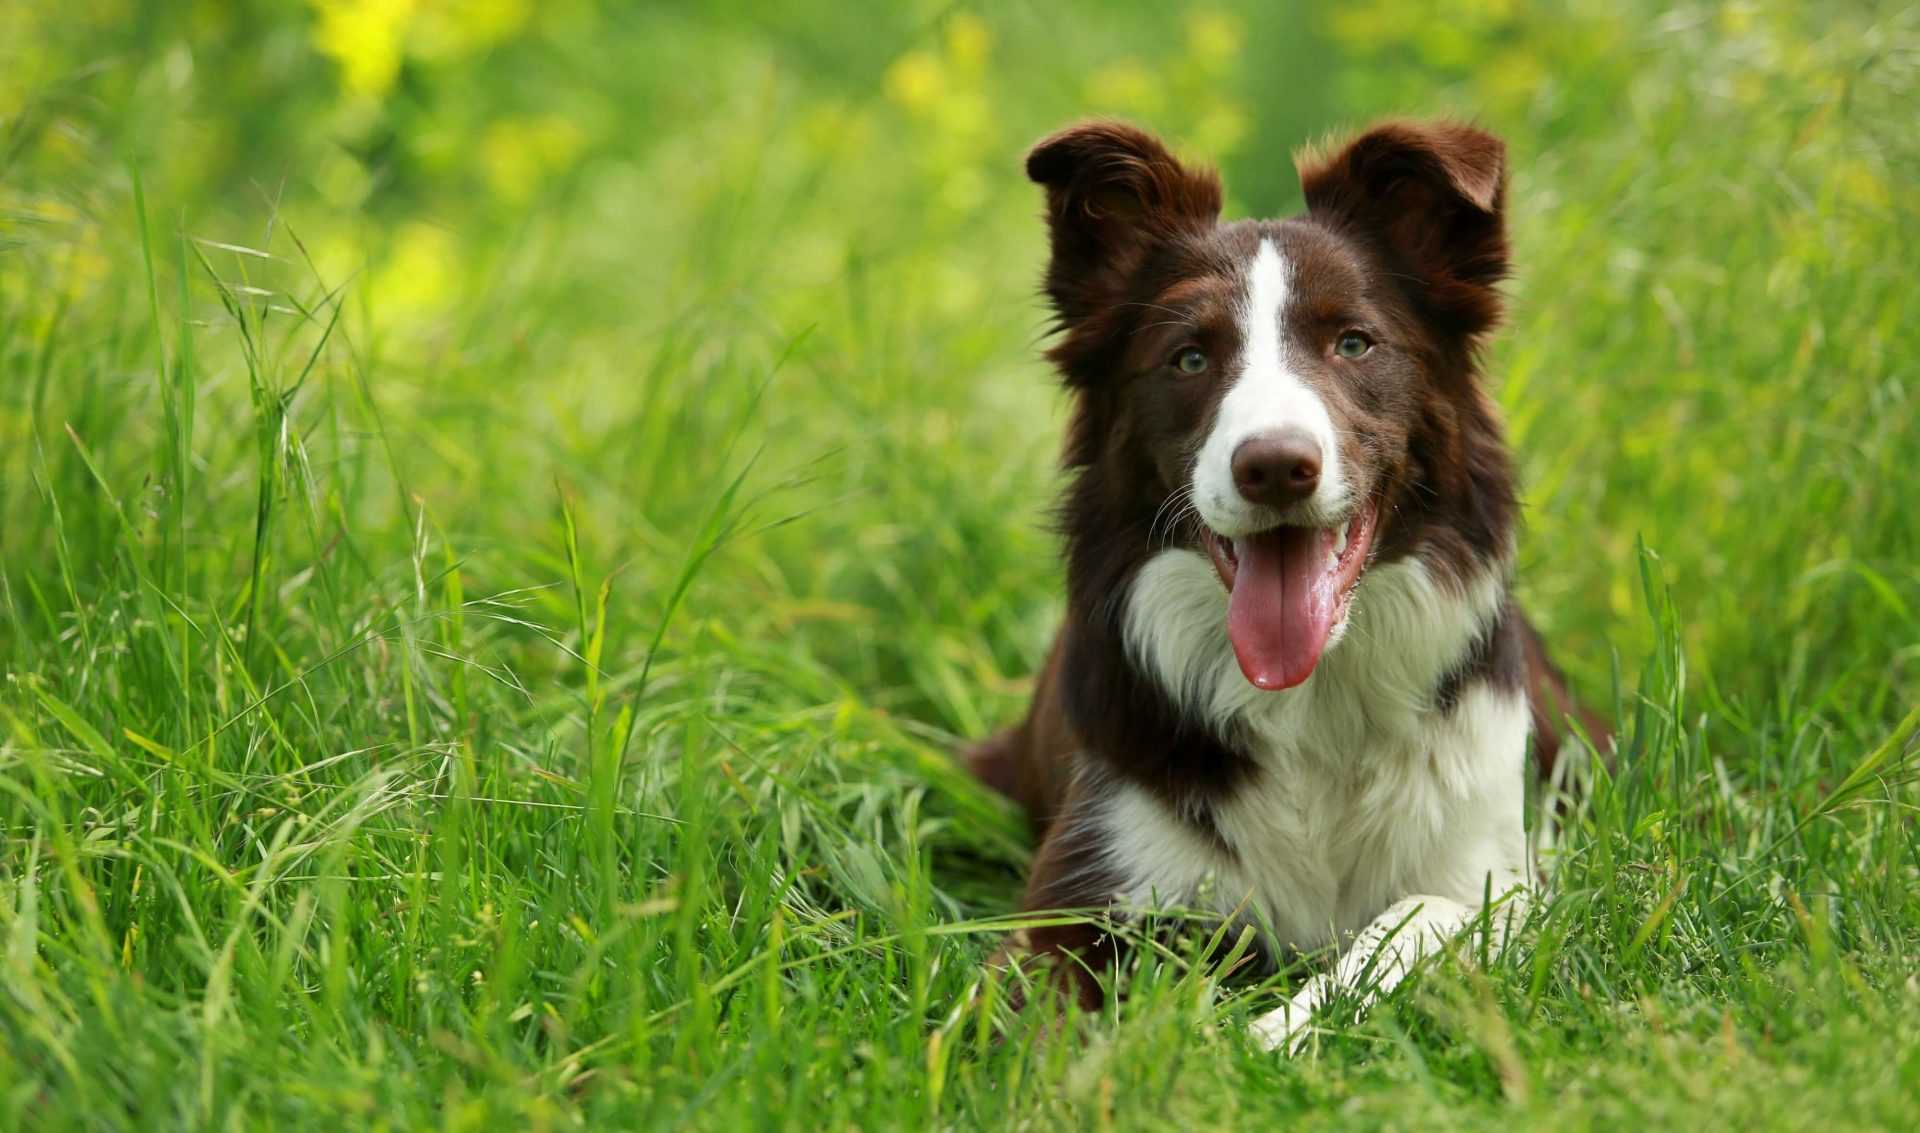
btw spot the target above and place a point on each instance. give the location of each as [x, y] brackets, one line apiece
[1277, 469]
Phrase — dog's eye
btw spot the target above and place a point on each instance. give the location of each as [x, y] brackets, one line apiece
[1191, 361]
[1352, 344]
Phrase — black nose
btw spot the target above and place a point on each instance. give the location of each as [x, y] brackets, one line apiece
[1277, 469]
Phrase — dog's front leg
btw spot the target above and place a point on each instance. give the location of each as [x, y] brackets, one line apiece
[1379, 958]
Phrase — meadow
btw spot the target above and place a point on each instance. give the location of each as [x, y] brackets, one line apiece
[507, 511]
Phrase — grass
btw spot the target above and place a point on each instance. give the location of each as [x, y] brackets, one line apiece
[504, 521]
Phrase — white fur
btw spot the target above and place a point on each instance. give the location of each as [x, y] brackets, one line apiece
[1369, 807]
[1266, 396]
[1382, 955]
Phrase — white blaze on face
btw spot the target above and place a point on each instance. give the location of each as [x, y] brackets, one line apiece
[1266, 396]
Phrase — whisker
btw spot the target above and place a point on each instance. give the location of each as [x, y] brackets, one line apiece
[1175, 501]
[1162, 323]
[1183, 507]
[1181, 315]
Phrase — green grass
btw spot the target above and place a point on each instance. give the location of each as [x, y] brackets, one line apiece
[500, 538]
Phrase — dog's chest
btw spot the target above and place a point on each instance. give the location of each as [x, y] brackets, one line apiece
[1319, 843]
[1364, 791]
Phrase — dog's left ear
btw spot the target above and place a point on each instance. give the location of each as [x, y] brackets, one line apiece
[1432, 194]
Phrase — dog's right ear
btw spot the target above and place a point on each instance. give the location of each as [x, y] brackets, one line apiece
[1113, 194]
[1431, 194]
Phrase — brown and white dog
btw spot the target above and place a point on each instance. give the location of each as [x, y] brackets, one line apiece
[1293, 688]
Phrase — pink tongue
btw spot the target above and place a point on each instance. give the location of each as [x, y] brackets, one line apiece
[1282, 606]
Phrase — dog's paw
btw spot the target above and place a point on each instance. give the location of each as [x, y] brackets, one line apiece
[1285, 1028]
[1280, 1030]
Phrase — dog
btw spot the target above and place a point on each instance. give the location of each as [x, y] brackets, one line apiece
[1293, 688]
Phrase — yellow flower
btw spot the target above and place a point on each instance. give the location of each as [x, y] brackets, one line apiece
[915, 80]
[370, 39]
[1214, 39]
[1126, 85]
[1735, 19]
[365, 38]
[517, 154]
[420, 271]
[968, 42]
[1855, 183]
[1362, 25]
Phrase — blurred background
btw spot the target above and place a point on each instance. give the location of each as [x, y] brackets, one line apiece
[636, 410]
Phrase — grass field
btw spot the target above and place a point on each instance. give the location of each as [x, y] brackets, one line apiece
[507, 510]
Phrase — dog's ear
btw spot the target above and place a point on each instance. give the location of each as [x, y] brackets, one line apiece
[1431, 193]
[1113, 194]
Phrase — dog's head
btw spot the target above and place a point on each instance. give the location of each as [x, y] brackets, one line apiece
[1294, 397]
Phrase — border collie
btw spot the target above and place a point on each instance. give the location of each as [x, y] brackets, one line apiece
[1293, 689]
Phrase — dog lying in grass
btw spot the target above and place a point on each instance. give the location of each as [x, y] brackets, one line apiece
[1293, 688]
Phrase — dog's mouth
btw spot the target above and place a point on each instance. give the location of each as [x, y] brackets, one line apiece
[1288, 587]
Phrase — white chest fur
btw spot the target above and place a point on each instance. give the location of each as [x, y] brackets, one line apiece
[1365, 794]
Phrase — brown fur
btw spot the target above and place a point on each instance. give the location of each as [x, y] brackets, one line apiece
[1404, 232]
